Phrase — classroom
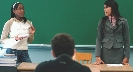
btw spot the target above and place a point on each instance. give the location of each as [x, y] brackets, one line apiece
[79, 18]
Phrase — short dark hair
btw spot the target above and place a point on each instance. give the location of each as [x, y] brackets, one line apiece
[63, 44]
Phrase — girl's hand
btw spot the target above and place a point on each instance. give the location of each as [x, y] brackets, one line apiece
[18, 38]
[32, 30]
[98, 61]
[125, 61]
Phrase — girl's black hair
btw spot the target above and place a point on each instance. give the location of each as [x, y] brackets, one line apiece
[114, 12]
[14, 7]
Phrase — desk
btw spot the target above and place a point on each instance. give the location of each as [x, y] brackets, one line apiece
[8, 69]
[105, 68]
[27, 67]
[30, 67]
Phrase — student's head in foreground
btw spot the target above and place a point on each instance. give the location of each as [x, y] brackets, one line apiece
[62, 44]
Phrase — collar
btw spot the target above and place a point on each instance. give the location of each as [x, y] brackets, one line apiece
[64, 59]
[120, 21]
[64, 55]
[15, 19]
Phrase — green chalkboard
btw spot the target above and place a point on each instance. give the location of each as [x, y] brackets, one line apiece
[79, 18]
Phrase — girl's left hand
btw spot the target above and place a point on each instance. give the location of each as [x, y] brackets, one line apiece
[32, 30]
[125, 61]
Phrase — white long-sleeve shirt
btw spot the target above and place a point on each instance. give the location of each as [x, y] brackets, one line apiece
[12, 28]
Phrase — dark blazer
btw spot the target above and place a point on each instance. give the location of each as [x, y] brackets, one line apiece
[63, 63]
[115, 37]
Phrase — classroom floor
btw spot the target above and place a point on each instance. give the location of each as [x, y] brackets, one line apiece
[38, 55]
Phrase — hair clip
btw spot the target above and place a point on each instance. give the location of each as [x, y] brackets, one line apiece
[15, 4]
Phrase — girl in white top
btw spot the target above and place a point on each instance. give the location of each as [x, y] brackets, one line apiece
[17, 33]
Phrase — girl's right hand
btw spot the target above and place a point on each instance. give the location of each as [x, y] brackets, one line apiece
[19, 38]
[98, 61]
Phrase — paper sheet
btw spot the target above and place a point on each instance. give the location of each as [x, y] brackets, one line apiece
[114, 65]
